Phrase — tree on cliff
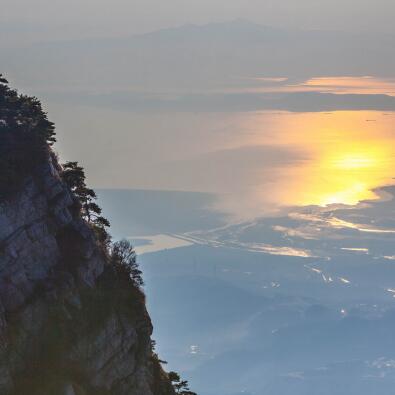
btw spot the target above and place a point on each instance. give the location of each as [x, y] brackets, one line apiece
[180, 386]
[74, 177]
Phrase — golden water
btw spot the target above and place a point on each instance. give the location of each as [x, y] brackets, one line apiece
[345, 155]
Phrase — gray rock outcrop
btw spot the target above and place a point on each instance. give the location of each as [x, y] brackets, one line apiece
[66, 326]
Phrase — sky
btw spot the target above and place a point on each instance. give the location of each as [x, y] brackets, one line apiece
[38, 20]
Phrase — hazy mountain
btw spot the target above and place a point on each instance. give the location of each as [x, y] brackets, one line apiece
[189, 58]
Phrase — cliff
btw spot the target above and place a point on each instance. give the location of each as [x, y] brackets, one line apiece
[68, 325]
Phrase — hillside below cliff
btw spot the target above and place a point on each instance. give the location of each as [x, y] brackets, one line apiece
[69, 323]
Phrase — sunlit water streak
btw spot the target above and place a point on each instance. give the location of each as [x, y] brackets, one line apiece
[336, 85]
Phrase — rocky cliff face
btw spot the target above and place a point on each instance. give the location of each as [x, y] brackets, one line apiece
[66, 325]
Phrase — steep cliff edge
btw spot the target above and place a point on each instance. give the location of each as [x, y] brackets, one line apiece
[68, 324]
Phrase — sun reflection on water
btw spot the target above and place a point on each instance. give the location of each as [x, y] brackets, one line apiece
[352, 170]
[346, 157]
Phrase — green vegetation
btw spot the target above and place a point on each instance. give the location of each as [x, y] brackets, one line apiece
[25, 137]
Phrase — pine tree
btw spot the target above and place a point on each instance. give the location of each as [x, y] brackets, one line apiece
[74, 177]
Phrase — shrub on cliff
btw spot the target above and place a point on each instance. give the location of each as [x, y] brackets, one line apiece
[123, 259]
[181, 387]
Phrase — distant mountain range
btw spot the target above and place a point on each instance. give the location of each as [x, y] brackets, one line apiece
[169, 67]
